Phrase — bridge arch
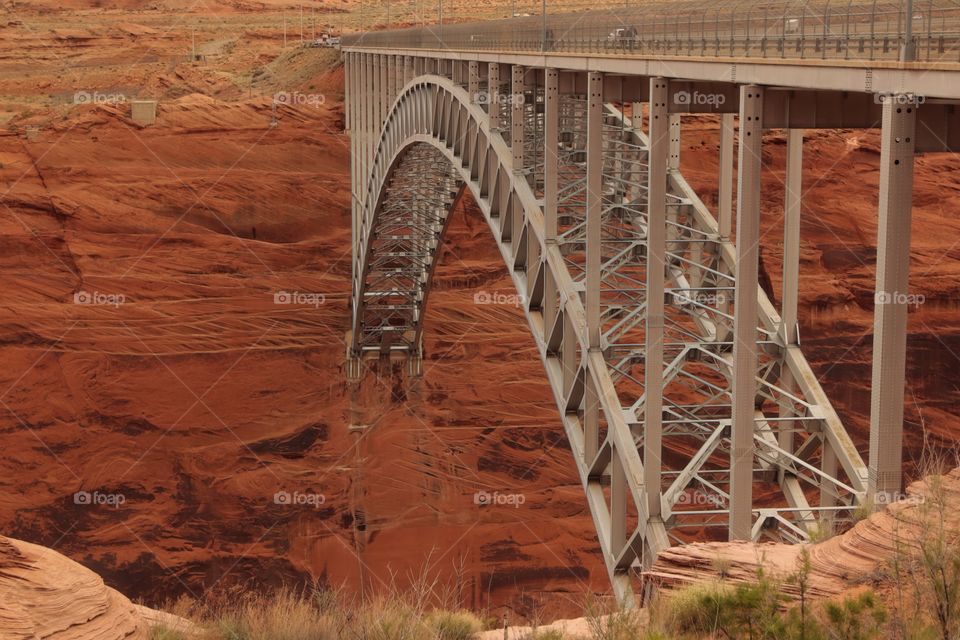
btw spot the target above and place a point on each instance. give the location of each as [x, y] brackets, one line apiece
[434, 121]
[576, 232]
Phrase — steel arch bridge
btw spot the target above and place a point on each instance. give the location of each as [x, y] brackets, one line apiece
[683, 390]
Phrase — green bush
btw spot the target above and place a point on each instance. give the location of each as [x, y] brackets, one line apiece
[454, 625]
[161, 632]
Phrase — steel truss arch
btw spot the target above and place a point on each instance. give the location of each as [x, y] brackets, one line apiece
[583, 278]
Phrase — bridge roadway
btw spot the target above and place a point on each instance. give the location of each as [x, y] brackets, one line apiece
[683, 390]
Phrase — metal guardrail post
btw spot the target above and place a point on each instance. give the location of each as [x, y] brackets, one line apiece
[909, 51]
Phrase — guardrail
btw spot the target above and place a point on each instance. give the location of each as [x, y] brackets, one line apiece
[828, 30]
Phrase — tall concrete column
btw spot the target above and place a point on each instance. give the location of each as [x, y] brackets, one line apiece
[745, 355]
[493, 95]
[371, 115]
[659, 160]
[791, 274]
[551, 139]
[516, 115]
[383, 90]
[473, 80]
[725, 194]
[594, 204]
[350, 96]
[391, 84]
[892, 288]
[791, 236]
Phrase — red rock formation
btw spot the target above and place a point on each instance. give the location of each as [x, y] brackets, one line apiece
[46, 595]
[199, 399]
[838, 564]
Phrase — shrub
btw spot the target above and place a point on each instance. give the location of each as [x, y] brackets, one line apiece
[856, 618]
[162, 632]
[743, 611]
[454, 625]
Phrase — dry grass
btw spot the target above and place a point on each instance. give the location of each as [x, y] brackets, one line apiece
[318, 614]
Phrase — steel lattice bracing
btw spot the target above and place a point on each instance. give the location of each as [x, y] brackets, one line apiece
[682, 388]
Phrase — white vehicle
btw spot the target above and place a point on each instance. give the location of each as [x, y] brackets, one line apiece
[624, 35]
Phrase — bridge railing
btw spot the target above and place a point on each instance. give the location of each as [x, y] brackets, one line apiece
[826, 29]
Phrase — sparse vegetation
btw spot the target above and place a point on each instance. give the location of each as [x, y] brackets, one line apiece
[925, 567]
[320, 614]
[162, 632]
[760, 611]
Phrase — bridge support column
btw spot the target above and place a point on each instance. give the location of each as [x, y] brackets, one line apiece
[473, 81]
[636, 116]
[890, 311]
[516, 115]
[594, 210]
[594, 204]
[791, 275]
[745, 356]
[725, 194]
[383, 91]
[551, 139]
[675, 126]
[791, 236]
[493, 96]
[790, 339]
[370, 100]
[659, 159]
[390, 87]
[351, 94]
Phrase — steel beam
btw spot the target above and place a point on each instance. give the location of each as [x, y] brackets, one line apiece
[515, 101]
[745, 351]
[791, 236]
[551, 141]
[892, 297]
[725, 194]
[594, 205]
[675, 124]
[661, 134]
[493, 95]
[791, 275]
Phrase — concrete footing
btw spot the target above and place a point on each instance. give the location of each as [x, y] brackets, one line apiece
[143, 112]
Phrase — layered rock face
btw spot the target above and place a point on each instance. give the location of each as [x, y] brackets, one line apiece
[862, 555]
[47, 596]
[177, 420]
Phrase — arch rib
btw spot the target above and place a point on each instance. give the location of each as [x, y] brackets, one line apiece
[435, 143]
